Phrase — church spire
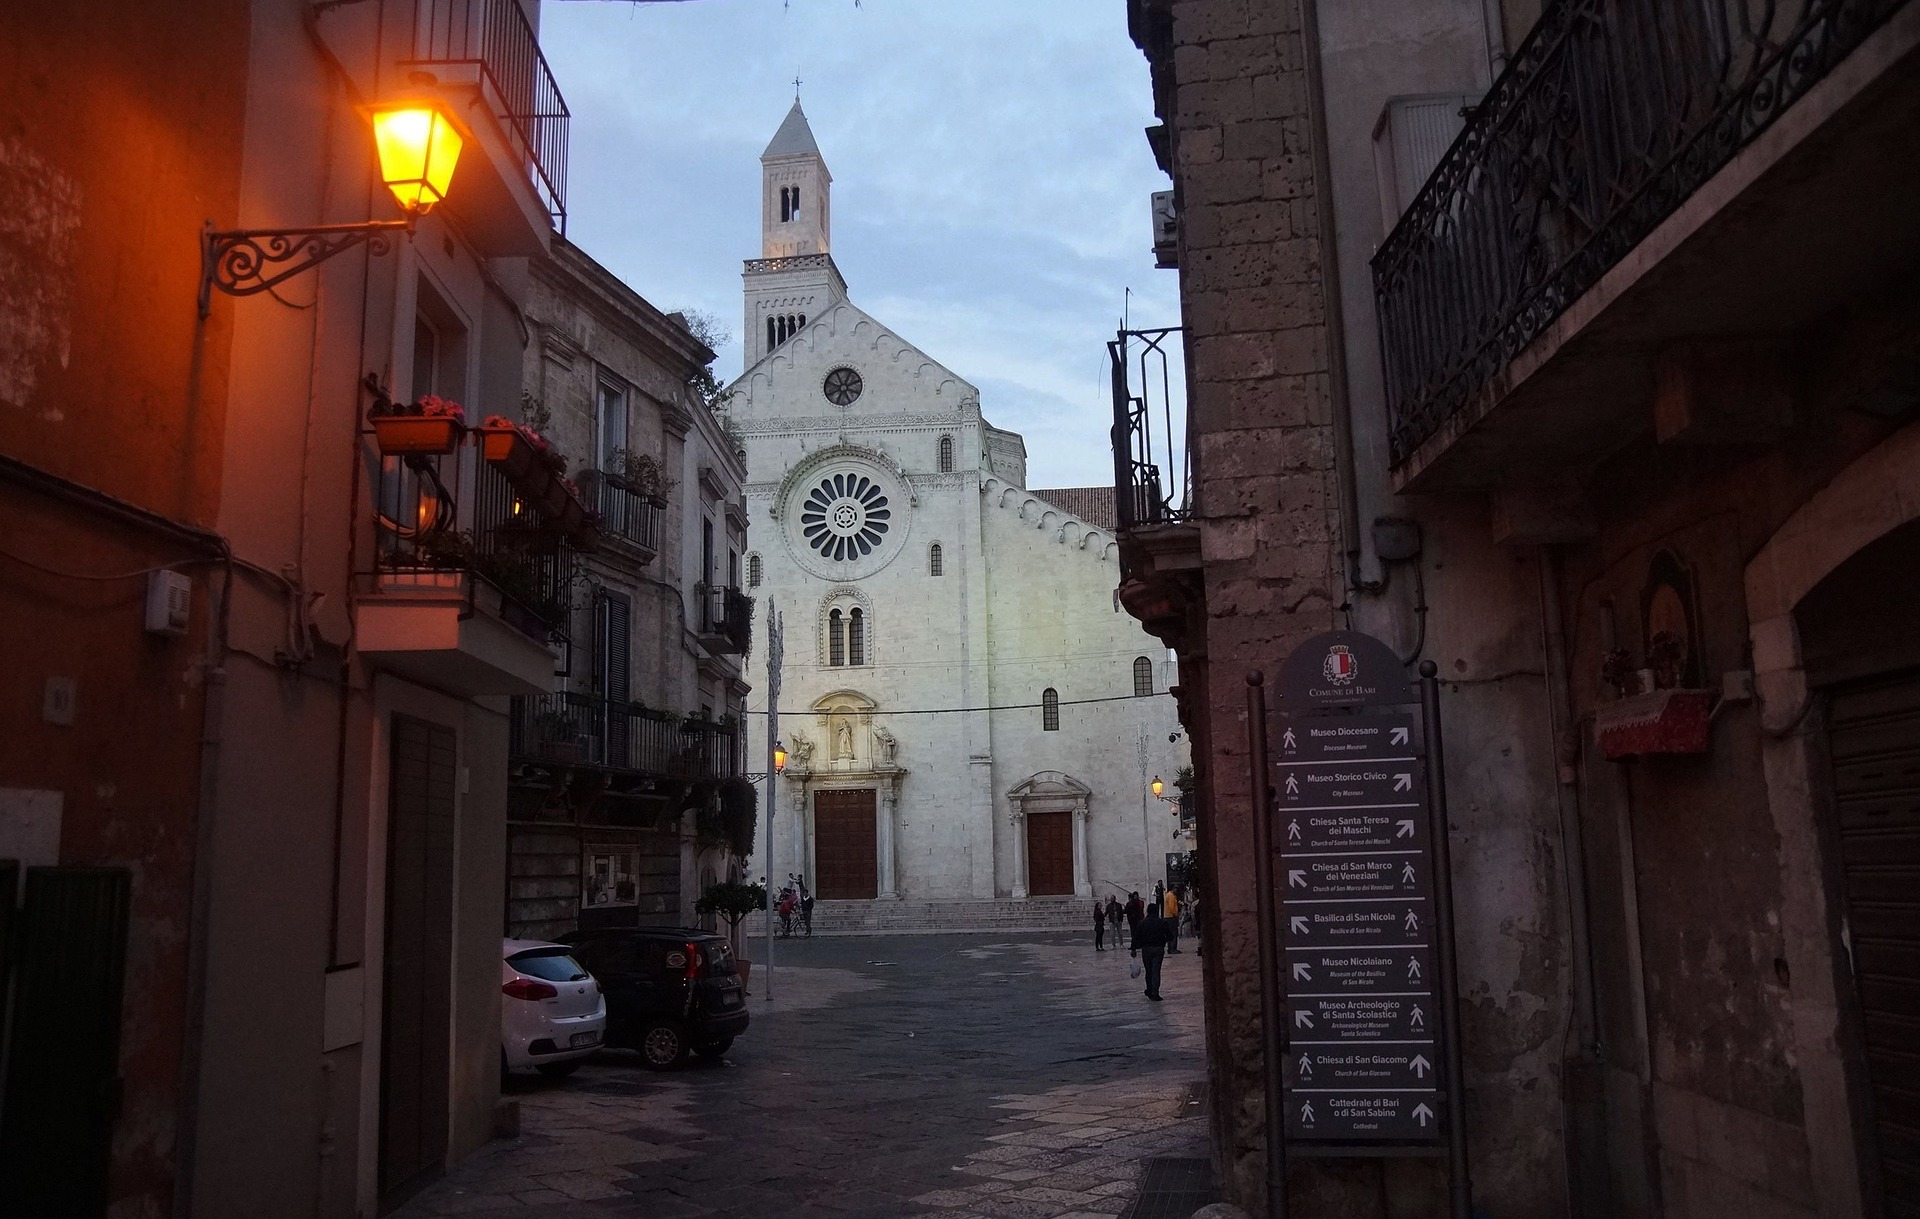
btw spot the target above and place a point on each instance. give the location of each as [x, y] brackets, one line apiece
[794, 278]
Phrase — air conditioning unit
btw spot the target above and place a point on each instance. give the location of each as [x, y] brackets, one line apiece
[1166, 230]
[169, 602]
[1409, 140]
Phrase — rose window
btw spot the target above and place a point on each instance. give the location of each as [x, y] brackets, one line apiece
[845, 517]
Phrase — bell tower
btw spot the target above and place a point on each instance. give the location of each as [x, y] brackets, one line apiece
[794, 279]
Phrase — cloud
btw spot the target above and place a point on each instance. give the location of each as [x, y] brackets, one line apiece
[990, 178]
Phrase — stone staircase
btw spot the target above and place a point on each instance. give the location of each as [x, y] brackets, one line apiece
[909, 917]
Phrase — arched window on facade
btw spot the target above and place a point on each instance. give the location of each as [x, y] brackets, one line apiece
[1142, 677]
[789, 203]
[946, 454]
[933, 559]
[753, 571]
[836, 640]
[856, 638]
[1050, 710]
[773, 336]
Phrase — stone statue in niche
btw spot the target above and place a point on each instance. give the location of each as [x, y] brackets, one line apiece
[801, 751]
[887, 744]
[842, 739]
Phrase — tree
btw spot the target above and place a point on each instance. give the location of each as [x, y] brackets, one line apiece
[714, 333]
[732, 901]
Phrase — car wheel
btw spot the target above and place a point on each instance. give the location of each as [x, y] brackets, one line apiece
[714, 1049]
[557, 1070]
[663, 1045]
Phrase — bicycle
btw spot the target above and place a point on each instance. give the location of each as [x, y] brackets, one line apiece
[797, 885]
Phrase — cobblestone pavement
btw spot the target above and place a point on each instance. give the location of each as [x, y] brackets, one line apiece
[993, 1077]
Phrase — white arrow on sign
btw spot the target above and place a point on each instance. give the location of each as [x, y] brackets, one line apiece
[1419, 1017]
[1303, 1020]
[1287, 740]
[1420, 1066]
[1403, 829]
[1302, 972]
[1296, 878]
[1403, 783]
[1293, 786]
[1293, 831]
[1423, 1115]
[1306, 1112]
[1413, 921]
[1413, 967]
[1297, 924]
[1406, 873]
[1306, 1067]
[1397, 737]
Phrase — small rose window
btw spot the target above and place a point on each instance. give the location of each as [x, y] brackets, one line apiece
[845, 517]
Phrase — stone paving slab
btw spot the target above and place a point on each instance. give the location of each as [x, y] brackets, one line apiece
[988, 1077]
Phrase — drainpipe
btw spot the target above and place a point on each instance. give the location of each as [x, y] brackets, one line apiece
[1581, 1053]
[1335, 326]
[1493, 29]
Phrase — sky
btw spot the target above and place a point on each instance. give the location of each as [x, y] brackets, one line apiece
[990, 178]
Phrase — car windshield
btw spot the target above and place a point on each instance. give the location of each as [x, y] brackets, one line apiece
[548, 964]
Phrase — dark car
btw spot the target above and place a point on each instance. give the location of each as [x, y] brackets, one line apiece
[669, 990]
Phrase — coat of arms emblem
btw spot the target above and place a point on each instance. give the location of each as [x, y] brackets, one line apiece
[1340, 667]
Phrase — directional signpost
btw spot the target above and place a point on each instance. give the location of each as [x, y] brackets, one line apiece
[1364, 910]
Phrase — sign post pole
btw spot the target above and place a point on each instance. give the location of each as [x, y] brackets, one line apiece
[775, 658]
[1459, 1183]
[1273, 1035]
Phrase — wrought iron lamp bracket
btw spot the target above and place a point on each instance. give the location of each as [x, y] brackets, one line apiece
[242, 262]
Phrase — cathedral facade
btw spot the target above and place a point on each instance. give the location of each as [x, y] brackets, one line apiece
[967, 712]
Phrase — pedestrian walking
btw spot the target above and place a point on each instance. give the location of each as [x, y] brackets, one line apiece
[1113, 918]
[1170, 910]
[1150, 945]
[1136, 910]
[1099, 927]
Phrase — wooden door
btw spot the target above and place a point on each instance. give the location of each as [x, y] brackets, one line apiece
[1050, 854]
[418, 979]
[1874, 732]
[846, 851]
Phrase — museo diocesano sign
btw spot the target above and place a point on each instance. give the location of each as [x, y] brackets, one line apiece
[1355, 874]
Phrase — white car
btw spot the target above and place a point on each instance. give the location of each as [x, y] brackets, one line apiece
[552, 1014]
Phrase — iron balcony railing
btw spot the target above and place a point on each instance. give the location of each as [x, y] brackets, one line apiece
[494, 39]
[1610, 115]
[726, 616]
[583, 729]
[626, 512]
[1152, 481]
[441, 519]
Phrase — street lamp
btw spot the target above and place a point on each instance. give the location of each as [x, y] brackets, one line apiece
[1159, 790]
[418, 142]
[779, 757]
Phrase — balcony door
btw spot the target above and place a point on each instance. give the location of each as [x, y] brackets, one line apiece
[613, 615]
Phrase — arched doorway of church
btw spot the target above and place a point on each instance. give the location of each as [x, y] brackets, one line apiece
[845, 844]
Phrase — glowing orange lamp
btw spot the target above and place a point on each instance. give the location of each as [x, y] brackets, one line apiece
[419, 147]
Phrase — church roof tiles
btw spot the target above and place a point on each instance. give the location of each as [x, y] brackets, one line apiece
[1094, 505]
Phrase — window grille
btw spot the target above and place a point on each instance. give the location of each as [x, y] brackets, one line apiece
[1050, 710]
[946, 454]
[933, 559]
[753, 571]
[1142, 677]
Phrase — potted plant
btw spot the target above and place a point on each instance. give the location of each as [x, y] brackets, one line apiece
[433, 425]
[559, 736]
[733, 901]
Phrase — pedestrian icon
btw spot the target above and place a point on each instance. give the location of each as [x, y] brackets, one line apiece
[1406, 873]
[1306, 1067]
[1413, 968]
[1419, 1017]
[1293, 831]
[1287, 741]
[1413, 921]
[1293, 786]
[1306, 1112]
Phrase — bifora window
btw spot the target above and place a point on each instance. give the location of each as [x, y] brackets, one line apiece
[1142, 677]
[933, 559]
[1050, 710]
[845, 517]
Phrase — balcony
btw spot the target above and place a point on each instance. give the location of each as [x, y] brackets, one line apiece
[1153, 480]
[1644, 175]
[470, 587]
[489, 50]
[572, 729]
[629, 517]
[726, 621]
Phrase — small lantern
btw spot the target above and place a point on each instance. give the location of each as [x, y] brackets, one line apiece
[419, 147]
[1158, 787]
[779, 757]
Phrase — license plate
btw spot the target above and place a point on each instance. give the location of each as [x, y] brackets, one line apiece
[580, 1039]
[730, 1000]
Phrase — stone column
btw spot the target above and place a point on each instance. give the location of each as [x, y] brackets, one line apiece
[1018, 820]
[802, 839]
[883, 838]
[1082, 874]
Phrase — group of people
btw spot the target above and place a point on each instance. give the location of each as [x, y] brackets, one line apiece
[1153, 928]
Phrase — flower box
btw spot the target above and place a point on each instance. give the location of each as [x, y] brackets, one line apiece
[399, 434]
[507, 448]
